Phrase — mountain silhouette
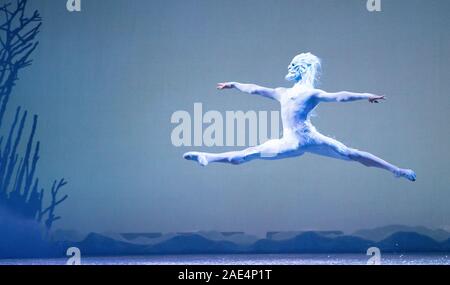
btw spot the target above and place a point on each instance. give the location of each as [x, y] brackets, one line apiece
[99, 245]
[194, 243]
[311, 242]
[409, 242]
[380, 233]
[305, 242]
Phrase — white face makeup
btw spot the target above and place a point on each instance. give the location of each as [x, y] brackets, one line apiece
[299, 66]
[293, 73]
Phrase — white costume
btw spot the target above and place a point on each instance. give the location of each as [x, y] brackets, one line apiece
[299, 135]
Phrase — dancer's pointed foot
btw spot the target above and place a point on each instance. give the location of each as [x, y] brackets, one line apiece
[200, 157]
[406, 173]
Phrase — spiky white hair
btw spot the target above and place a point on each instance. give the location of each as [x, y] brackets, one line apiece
[310, 70]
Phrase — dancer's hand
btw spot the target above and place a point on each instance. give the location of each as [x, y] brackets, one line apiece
[376, 98]
[225, 85]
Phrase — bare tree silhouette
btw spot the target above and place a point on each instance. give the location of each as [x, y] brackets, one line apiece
[54, 202]
[20, 193]
[18, 41]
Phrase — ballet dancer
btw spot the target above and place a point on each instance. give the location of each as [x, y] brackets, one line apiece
[299, 135]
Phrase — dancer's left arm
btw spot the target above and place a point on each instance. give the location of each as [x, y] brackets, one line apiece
[345, 96]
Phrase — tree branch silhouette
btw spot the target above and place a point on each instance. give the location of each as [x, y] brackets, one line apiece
[18, 40]
[20, 192]
[54, 202]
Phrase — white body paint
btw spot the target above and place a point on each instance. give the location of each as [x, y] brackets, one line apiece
[299, 135]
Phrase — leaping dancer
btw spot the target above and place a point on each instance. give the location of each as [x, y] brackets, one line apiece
[299, 135]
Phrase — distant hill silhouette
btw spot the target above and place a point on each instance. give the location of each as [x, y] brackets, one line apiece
[311, 242]
[99, 245]
[195, 244]
[409, 242]
[212, 243]
[380, 233]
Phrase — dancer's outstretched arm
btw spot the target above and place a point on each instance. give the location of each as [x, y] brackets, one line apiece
[251, 89]
[345, 96]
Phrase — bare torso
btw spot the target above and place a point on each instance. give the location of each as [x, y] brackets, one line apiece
[297, 103]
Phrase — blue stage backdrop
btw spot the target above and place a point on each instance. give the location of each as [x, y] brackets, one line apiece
[112, 84]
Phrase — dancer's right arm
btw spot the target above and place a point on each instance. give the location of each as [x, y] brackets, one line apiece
[251, 89]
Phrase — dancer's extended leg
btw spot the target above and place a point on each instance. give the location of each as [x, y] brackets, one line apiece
[233, 157]
[272, 149]
[327, 146]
